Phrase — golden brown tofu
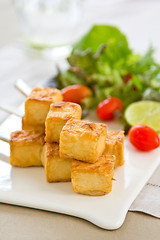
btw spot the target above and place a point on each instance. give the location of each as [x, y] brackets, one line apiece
[115, 146]
[57, 117]
[25, 148]
[38, 103]
[83, 140]
[93, 179]
[57, 169]
[34, 127]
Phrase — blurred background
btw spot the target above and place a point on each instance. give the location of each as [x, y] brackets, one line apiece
[139, 19]
[23, 27]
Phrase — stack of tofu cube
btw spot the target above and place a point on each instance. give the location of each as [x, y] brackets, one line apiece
[54, 136]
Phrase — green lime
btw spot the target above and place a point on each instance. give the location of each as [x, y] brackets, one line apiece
[144, 112]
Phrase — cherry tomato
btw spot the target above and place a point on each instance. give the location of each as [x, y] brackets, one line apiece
[106, 109]
[143, 137]
[127, 77]
[75, 93]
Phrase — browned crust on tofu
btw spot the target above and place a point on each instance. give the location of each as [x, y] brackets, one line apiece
[67, 110]
[115, 146]
[45, 95]
[104, 166]
[91, 130]
[27, 136]
[52, 150]
[115, 136]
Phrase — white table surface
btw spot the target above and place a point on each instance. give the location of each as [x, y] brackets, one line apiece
[140, 20]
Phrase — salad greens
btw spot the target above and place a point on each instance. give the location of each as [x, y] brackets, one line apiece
[103, 61]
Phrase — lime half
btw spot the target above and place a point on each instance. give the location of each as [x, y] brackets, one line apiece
[144, 112]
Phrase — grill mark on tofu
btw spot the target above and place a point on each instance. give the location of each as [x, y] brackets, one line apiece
[27, 136]
[66, 105]
[57, 106]
[89, 125]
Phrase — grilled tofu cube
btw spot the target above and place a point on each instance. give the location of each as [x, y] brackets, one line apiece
[57, 169]
[115, 146]
[25, 148]
[38, 103]
[57, 117]
[93, 179]
[36, 127]
[83, 140]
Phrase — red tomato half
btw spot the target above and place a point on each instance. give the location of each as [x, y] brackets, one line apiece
[106, 108]
[75, 93]
[143, 137]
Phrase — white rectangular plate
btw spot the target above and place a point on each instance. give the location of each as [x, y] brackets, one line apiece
[28, 187]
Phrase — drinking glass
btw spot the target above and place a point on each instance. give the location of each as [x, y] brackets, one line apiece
[50, 25]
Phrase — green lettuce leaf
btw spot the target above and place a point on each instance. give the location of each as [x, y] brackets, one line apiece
[102, 60]
[117, 45]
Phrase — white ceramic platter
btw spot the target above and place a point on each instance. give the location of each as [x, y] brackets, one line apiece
[28, 187]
